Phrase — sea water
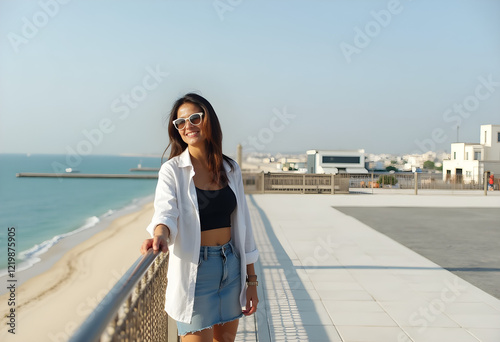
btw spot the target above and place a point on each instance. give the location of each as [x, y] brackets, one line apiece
[45, 210]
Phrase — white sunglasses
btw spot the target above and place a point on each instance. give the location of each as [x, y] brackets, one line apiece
[195, 119]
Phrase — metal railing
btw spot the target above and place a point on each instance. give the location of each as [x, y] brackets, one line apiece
[282, 182]
[134, 308]
[303, 183]
[407, 181]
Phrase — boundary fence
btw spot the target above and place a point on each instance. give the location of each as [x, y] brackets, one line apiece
[407, 181]
[295, 183]
[283, 182]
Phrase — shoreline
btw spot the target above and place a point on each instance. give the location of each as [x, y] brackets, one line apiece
[54, 296]
[48, 258]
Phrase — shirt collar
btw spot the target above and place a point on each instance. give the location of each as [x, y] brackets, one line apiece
[227, 167]
[185, 161]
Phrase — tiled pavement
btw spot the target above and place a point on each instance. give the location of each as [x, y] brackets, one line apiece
[324, 276]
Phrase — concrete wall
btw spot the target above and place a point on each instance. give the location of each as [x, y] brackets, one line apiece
[472, 170]
[457, 151]
[489, 138]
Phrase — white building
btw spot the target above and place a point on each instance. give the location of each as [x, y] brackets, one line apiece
[413, 162]
[336, 161]
[469, 161]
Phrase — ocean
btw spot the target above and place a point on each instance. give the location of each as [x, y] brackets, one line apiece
[44, 211]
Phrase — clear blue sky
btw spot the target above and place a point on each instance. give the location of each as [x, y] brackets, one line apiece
[100, 76]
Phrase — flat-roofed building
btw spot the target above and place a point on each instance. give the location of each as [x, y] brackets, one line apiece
[469, 161]
[328, 161]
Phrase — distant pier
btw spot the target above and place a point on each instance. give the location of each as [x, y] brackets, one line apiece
[156, 169]
[84, 175]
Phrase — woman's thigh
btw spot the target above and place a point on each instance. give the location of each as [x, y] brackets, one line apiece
[226, 332]
[206, 335]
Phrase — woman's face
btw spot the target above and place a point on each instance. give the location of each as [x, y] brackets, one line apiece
[191, 134]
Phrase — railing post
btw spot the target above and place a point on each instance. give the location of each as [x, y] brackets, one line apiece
[303, 183]
[262, 180]
[416, 183]
[333, 184]
[172, 330]
[372, 183]
[485, 181]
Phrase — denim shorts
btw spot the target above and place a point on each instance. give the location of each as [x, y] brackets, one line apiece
[217, 292]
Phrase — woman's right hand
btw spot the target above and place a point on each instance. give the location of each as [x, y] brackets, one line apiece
[159, 242]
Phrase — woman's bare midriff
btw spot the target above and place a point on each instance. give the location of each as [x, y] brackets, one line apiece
[216, 237]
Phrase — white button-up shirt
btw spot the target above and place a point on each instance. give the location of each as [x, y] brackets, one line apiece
[176, 206]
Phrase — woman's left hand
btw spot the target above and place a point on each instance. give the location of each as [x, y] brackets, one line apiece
[252, 300]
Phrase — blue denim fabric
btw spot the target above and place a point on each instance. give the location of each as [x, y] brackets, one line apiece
[217, 289]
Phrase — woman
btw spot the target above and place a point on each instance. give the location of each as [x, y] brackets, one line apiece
[201, 216]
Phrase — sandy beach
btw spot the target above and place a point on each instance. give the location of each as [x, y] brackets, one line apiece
[50, 306]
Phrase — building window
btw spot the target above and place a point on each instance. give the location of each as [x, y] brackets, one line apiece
[477, 155]
[250, 181]
[340, 159]
[466, 155]
[454, 155]
[468, 174]
[498, 138]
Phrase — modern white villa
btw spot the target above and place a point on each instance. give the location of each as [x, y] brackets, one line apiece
[335, 162]
[469, 161]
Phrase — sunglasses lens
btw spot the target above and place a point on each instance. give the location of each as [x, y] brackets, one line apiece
[179, 123]
[195, 119]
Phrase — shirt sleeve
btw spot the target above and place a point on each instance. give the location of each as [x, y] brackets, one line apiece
[165, 203]
[251, 251]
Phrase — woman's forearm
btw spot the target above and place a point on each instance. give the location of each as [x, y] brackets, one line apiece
[250, 270]
[161, 229]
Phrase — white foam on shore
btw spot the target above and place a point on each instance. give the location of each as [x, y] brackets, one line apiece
[30, 257]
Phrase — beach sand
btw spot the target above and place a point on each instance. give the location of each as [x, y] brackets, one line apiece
[52, 305]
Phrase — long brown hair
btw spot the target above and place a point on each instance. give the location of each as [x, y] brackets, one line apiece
[212, 130]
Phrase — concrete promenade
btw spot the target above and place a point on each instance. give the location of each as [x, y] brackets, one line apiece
[326, 276]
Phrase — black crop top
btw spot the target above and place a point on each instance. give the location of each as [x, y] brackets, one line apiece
[215, 207]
